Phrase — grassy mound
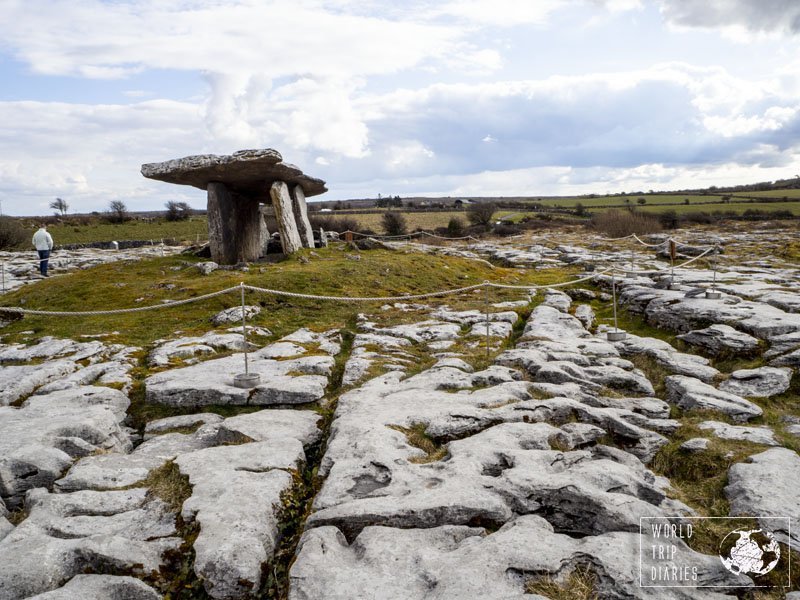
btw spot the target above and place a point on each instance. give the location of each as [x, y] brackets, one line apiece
[333, 271]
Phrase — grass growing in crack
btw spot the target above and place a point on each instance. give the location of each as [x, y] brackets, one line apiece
[168, 483]
[580, 584]
[416, 436]
[699, 478]
[655, 372]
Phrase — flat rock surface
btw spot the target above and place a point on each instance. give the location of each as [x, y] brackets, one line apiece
[766, 485]
[758, 383]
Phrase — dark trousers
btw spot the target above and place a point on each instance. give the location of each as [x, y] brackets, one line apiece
[44, 256]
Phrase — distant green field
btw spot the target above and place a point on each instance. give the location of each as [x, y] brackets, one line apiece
[571, 202]
[738, 207]
[769, 194]
[68, 233]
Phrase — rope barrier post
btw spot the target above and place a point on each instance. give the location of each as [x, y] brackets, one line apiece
[246, 379]
[672, 252]
[713, 294]
[486, 310]
[616, 335]
[162, 246]
[630, 274]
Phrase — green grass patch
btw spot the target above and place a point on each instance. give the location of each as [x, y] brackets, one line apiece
[191, 230]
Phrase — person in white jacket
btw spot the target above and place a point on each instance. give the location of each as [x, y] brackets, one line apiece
[43, 242]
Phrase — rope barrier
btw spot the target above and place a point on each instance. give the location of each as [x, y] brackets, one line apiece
[115, 311]
[405, 297]
[410, 235]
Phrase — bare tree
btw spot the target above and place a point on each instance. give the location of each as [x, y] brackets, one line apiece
[60, 206]
[481, 213]
[118, 212]
[177, 211]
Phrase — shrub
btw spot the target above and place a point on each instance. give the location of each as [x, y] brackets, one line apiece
[455, 227]
[669, 219]
[394, 223]
[330, 223]
[177, 211]
[481, 213]
[117, 212]
[619, 223]
[12, 234]
[506, 229]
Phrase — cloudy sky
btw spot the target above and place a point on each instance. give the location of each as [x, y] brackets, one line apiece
[420, 97]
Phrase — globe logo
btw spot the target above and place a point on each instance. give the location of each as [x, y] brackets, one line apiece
[749, 552]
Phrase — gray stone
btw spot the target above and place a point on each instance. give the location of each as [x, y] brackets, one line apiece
[585, 314]
[757, 435]
[558, 300]
[690, 393]
[169, 424]
[233, 315]
[101, 587]
[207, 267]
[766, 486]
[284, 214]
[426, 331]
[191, 347]
[695, 445]
[720, 339]
[301, 214]
[758, 383]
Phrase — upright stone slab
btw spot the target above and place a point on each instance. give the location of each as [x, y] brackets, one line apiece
[264, 231]
[284, 214]
[301, 216]
[234, 226]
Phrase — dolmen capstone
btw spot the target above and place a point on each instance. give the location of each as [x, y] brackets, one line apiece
[237, 184]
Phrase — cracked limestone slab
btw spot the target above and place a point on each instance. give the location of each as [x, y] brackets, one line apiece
[236, 498]
[468, 562]
[68, 534]
[762, 382]
[757, 435]
[40, 440]
[499, 461]
[19, 381]
[667, 356]
[720, 339]
[690, 393]
[765, 485]
[101, 587]
[190, 347]
[293, 381]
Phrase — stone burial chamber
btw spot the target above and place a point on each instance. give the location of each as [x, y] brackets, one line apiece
[238, 185]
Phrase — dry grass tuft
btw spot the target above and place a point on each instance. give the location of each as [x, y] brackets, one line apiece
[619, 223]
[417, 437]
[169, 484]
[578, 585]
